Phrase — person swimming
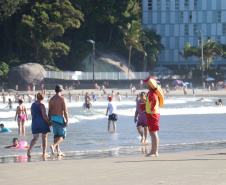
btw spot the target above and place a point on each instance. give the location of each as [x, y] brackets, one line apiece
[219, 102]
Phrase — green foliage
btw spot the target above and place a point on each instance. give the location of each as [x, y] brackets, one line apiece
[9, 7]
[56, 31]
[4, 69]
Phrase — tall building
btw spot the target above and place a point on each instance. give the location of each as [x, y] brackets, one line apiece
[182, 21]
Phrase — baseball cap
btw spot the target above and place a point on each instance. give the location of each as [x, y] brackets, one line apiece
[59, 88]
[110, 98]
[148, 79]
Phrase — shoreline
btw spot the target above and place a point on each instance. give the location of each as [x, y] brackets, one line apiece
[191, 167]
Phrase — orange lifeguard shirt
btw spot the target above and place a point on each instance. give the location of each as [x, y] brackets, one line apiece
[152, 104]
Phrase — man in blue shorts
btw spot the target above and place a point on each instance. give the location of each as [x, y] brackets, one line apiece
[57, 113]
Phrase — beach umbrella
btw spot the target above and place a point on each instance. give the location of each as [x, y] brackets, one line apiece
[186, 83]
[175, 82]
[210, 79]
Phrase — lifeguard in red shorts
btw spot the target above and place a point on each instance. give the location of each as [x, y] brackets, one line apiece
[152, 114]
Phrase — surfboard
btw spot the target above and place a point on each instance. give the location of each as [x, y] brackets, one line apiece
[158, 91]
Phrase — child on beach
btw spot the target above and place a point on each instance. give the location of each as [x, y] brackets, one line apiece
[4, 129]
[16, 144]
[112, 115]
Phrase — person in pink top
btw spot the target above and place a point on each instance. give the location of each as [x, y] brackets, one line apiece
[142, 120]
[21, 115]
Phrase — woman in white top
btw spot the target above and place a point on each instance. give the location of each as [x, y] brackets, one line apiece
[112, 115]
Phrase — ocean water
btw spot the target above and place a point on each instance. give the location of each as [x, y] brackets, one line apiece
[185, 124]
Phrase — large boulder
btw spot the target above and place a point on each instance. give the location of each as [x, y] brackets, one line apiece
[25, 75]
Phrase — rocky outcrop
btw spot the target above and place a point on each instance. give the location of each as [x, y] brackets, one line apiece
[25, 75]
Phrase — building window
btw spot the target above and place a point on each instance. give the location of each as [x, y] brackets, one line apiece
[149, 4]
[224, 28]
[186, 29]
[186, 4]
[219, 16]
[181, 17]
[190, 16]
[177, 5]
[195, 4]
[195, 29]
[159, 5]
[218, 39]
[167, 5]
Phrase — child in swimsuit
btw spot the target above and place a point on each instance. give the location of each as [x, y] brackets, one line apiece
[21, 115]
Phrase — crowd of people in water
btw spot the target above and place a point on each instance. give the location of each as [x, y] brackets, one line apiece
[58, 115]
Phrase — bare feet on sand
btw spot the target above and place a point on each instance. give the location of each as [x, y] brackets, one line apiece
[52, 149]
[152, 154]
[45, 155]
[60, 154]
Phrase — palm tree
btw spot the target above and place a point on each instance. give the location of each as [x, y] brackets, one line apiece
[132, 38]
[187, 52]
[152, 46]
[210, 49]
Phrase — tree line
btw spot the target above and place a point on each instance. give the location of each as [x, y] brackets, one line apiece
[55, 32]
[208, 51]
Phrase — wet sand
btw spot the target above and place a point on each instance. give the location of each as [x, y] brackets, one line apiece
[195, 167]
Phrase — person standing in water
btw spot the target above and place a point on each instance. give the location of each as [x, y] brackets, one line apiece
[152, 115]
[21, 115]
[57, 112]
[142, 120]
[40, 124]
[112, 114]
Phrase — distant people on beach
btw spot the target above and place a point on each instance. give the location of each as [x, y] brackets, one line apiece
[119, 97]
[201, 99]
[142, 120]
[127, 95]
[40, 124]
[3, 128]
[219, 102]
[113, 95]
[28, 89]
[94, 97]
[193, 91]
[152, 115]
[10, 104]
[87, 104]
[57, 113]
[16, 87]
[78, 98]
[111, 110]
[70, 97]
[21, 116]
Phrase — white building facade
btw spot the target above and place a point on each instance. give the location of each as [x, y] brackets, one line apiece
[180, 21]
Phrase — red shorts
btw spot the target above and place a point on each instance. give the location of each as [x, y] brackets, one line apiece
[153, 122]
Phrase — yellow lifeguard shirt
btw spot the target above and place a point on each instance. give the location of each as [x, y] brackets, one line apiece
[149, 105]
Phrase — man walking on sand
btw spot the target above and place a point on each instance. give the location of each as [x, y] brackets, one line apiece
[57, 113]
[152, 115]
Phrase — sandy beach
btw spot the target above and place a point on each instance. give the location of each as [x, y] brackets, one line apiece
[196, 167]
[188, 167]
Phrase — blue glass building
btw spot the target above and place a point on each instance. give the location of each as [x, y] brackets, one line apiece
[179, 22]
